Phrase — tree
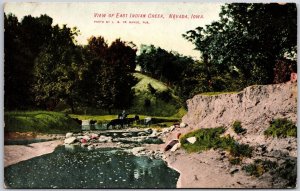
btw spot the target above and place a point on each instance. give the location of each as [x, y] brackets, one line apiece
[108, 78]
[56, 69]
[163, 65]
[23, 42]
[248, 39]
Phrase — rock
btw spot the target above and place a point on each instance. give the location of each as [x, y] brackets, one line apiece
[84, 145]
[183, 125]
[233, 170]
[175, 147]
[70, 147]
[136, 150]
[86, 137]
[90, 147]
[68, 135]
[149, 131]
[70, 140]
[142, 134]
[94, 136]
[103, 138]
[191, 140]
[127, 134]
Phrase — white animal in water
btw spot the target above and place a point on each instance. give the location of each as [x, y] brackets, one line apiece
[148, 120]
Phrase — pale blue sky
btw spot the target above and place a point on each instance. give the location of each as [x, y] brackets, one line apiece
[166, 33]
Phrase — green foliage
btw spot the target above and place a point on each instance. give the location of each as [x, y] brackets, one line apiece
[288, 171]
[281, 128]
[39, 121]
[283, 69]
[235, 160]
[210, 138]
[244, 44]
[164, 95]
[151, 89]
[259, 167]
[161, 64]
[237, 127]
[23, 41]
[107, 78]
[238, 150]
[160, 106]
[147, 103]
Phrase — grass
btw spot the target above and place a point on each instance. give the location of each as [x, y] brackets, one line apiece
[39, 121]
[157, 122]
[237, 128]
[211, 138]
[281, 128]
[157, 105]
[144, 80]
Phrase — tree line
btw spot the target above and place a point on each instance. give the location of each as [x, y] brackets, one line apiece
[251, 43]
[44, 65]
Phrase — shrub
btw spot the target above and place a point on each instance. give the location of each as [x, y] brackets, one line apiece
[165, 95]
[259, 167]
[237, 127]
[210, 138]
[281, 128]
[241, 150]
[147, 102]
[234, 160]
[151, 89]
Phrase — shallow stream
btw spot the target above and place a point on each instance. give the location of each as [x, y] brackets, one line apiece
[80, 168]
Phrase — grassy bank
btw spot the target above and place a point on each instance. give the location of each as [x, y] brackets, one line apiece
[39, 121]
[157, 121]
[211, 138]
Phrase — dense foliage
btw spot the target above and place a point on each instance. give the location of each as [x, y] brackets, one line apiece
[44, 66]
[242, 48]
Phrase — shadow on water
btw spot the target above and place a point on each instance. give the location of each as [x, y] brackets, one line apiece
[80, 168]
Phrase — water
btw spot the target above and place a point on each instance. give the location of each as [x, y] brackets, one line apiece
[80, 168]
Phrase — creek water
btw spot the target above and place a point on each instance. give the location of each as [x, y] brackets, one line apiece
[81, 168]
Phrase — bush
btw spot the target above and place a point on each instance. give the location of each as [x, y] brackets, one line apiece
[165, 95]
[237, 127]
[147, 103]
[210, 138]
[151, 89]
[241, 150]
[259, 167]
[281, 128]
[235, 160]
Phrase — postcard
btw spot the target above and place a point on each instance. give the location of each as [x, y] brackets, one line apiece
[150, 95]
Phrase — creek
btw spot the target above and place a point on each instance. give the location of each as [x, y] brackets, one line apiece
[82, 168]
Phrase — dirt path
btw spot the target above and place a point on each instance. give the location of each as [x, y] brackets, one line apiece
[16, 153]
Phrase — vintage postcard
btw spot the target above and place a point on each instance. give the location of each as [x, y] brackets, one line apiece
[150, 95]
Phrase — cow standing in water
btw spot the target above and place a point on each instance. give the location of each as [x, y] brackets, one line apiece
[122, 121]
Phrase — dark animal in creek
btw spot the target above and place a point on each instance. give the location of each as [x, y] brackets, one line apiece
[93, 122]
[122, 122]
[129, 121]
[77, 120]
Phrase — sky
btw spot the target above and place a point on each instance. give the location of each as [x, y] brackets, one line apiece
[155, 26]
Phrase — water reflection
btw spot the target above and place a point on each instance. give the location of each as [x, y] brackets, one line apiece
[80, 168]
